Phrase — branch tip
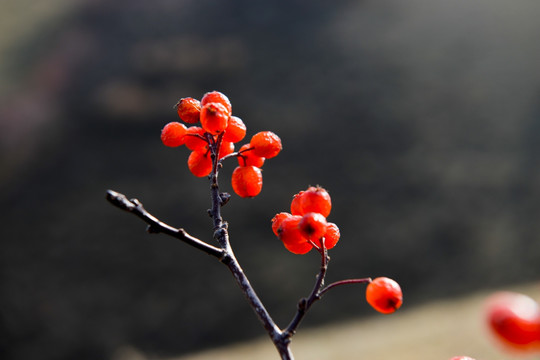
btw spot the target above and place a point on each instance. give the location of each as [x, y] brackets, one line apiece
[120, 200]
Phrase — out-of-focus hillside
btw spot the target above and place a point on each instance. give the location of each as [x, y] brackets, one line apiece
[438, 330]
[420, 118]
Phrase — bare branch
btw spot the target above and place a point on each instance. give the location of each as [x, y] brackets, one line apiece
[135, 207]
[305, 303]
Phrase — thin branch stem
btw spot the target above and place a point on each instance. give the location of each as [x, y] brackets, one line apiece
[222, 237]
[135, 207]
[318, 291]
[305, 303]
[225, 255]
[344, 282]
[235, 154]
[273, 330]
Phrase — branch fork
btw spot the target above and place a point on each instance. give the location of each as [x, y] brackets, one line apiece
[224, 253]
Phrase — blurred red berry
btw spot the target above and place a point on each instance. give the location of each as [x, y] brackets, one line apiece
[247, 181]
[296, 208]
[515, 320]
[331, 237]
[291, 236]
[266, 144]
[217, 97]
[214, 118]
[173, 134]
[313, 226]
[277, 220]
[315, 199]
[384, 295]
[235, 131]
[195, 138]
[200, 163]
[248, 158]
[226, 148]
[189, 110]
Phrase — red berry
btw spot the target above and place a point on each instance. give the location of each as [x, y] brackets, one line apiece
[189, 110]
[266, 144]
[247, 181]
[331, 237]
[200, 163]
[225, 149]
[235, 131]
[217, 97]
[316, 199]
[296, 208]
[173, 134]
[214, 118]
[248, 158]
[515, 320]
[277, 220]
[194, 139]
[291, 236]
[313, 226]
[384, 295]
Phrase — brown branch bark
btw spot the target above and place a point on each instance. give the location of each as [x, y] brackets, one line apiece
[135, 207]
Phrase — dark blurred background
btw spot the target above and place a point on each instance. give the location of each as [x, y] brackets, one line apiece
[421, 118]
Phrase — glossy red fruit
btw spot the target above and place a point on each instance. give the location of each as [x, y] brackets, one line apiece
[235, 131]
[246, 157]
[200, 163]
[266, 144]
[247, 181]
[173, 134]
[315, 199]
[225, 149]
[515, 320]
[296, 208]
[189, 110]
[214, 118]
[384, 295]
[291, 236]
[277, 220]
[331, 237]
[217, 97]
[313, 226]
[194, 138]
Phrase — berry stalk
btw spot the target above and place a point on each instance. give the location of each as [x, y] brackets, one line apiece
[305, 303]
[345, 282]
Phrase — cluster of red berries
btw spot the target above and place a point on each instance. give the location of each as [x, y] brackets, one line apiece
[218, 133]
[515, 320]
[384, 295]
[305, 227]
